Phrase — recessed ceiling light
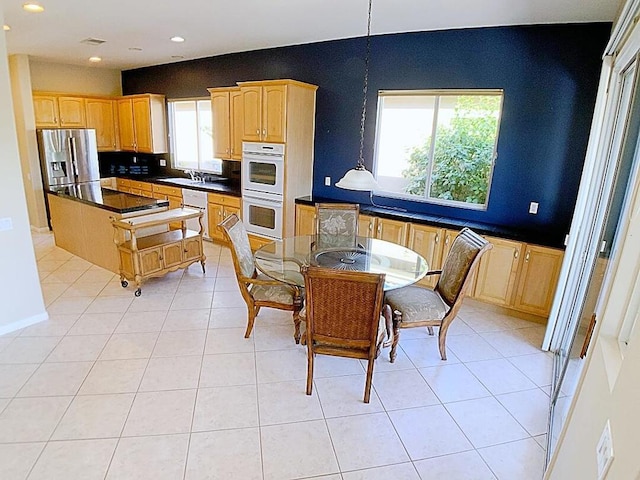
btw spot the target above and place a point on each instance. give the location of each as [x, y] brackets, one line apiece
[177, 57]
[33, 7]
[177, 39]
[6, 28]
[95, 59]
[135, 49]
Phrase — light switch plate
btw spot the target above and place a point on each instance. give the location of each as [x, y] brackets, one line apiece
[327, 181]
[604, 451]
[163, 162]
[533, 207]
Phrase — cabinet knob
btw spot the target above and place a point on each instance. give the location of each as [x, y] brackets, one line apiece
[516, 254]
[526, 258]
[437, 239]
[264, 132]
[258, 131]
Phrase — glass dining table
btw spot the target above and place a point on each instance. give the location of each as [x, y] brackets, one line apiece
[282, 259]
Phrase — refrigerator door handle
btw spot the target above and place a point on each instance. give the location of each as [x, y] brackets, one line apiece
[74, 156]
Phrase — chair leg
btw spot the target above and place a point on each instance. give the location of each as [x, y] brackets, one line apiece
[397, 318]
[430, 330]
[309, 369]
[253, 311]
[442, 338]
[296, 325]
[367, 386]
[386, 313]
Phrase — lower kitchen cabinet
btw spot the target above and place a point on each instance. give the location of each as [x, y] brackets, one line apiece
[367, 225]
[305, 220]
[220, 207]
[164, 192]
[498, 271]
[428, 241]
[538, 278]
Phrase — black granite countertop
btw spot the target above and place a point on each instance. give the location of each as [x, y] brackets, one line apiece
[535, 237]
[226, 187]
[92, 194]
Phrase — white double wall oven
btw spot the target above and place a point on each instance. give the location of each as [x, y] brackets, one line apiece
[263, 188]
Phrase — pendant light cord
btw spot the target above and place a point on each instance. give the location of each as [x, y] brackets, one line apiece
[364, 89]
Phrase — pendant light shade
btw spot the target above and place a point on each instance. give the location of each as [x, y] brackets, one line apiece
[359, 178]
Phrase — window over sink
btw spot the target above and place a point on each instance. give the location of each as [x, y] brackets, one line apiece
[437, 146]
[191, 135]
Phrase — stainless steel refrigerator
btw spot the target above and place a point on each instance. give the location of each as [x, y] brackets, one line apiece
[68, 157]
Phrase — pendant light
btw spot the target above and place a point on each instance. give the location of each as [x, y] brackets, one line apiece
[359, 178]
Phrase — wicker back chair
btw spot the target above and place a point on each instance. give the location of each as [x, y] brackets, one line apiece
[415, 306]
[343, 317]
[337, 224]
[258, 290]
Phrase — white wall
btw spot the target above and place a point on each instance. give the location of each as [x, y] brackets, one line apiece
[21, 300]
[56, 77]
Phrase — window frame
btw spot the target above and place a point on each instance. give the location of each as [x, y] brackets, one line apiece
[172, 139]
[437, 93]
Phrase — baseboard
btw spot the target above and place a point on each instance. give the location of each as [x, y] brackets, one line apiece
[508, 311]
[39, 229]
[27, 322]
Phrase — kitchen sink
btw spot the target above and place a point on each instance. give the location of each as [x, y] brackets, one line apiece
[190, 183]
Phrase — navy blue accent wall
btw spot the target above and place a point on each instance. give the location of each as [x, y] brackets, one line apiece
[549, 74]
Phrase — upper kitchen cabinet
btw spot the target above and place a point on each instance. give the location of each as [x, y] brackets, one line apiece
[58, 111]
[268, 106]
[143, 123]
[101, 115]
[227, 116]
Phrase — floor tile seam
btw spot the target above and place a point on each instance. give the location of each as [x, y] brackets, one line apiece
[528, 435]
[513, 416]
[44, 360]
[494, 394]
[378, 466]
[525, 374]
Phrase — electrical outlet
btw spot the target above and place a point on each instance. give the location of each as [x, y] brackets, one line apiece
[533, 207]
[327, 181]
[604, 451]
[163, 162]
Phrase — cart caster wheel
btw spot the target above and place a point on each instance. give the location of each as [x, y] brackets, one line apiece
[124, 284]
[138, 292]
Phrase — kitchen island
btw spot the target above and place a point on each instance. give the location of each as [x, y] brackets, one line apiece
[81, 219]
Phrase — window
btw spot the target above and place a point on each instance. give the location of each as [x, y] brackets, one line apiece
[192, 135]
[437, 146]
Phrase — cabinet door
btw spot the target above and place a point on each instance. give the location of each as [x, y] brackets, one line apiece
[192, 248]
[305, 220]
[252, 113]
[220, 115]
[100, 114]
[125, 121]
[367, 225]
[45, 109]
[273, 113]
[216, 215]
[71, 112]
[497, 272]
[150, 261]
[449, 237]
[235, 121]
[538, 279]
[392, 231]
[142, 125]
[427, 241]
[172, 254]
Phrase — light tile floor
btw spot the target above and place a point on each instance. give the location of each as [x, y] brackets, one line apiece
[164, 386]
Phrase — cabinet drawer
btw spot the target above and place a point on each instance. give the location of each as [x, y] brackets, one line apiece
[226, 200]
[123, 182]
[166, 190]
[143, 186]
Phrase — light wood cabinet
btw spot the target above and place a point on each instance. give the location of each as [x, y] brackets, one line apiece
[498, 271]
[428, 241]
[172, 194]
[59, 111]
[264, 111]
[227, 115]
[367, 225]
[220, 207]
[144, 189]
[142, 123]
[392, 230]
[123, 185]
[538, 279]
[157, 254]
[305, 220]
[101, 115]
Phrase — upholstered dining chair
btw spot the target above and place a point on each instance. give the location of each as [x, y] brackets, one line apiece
[416, 306]
[343, 318]
[257, 289]
[337, 224]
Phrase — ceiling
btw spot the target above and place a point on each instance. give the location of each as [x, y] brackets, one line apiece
[137, 32]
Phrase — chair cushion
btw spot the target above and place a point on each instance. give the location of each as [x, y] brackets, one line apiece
[272, 293]
[417, 304]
